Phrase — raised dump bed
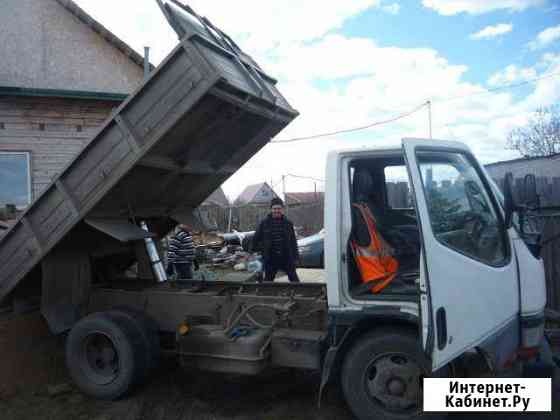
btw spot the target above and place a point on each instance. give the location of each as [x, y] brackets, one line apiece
[205, 111]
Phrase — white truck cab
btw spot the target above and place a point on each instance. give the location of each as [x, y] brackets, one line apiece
[465, 272]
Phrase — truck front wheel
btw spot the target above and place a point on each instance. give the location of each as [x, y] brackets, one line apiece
[382, 376]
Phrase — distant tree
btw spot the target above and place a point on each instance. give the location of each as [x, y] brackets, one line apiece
[540, 137]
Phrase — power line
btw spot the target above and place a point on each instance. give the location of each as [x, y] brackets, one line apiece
[418, 108]
[350, 130]
[493, 116]
[275, 184]
[498, 88]
[306, 177]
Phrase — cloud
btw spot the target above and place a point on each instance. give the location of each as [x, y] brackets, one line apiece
[368, 83]
[257, 25]
[476, 7]
[365, 83]
[545, 38]
[392, 9]
[492, 31]
[549, 64]
[261, 24]
[338, 82]
[547, 90]
[511, 74]
[548, 61]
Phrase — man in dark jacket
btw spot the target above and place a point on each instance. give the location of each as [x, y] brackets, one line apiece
[276, 239]
[180, 254]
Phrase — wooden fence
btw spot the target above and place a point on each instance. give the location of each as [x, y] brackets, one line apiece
[398, 195]
[548, 190]
[307, 218]
[550, 252]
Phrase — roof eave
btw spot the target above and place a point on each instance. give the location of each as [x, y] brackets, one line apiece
[61, 93]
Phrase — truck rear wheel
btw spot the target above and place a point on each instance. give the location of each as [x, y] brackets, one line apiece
[148, 331]
[382, 376]
[104, 356]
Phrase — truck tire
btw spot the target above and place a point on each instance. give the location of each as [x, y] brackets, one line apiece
[382, 374]
[104, 355]
[149, 332]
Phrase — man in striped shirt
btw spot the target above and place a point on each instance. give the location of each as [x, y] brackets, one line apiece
[180, 253]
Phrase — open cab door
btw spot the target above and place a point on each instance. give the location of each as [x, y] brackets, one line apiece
[469, 293]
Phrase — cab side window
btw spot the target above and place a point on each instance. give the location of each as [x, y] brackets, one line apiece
[461, 213]
[397, 188]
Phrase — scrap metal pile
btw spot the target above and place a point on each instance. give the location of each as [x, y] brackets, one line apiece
[229, 250]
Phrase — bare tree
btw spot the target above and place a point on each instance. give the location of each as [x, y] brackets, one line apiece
[540, 137]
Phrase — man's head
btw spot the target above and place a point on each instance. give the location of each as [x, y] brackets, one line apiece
[277, 207]
[185, 227]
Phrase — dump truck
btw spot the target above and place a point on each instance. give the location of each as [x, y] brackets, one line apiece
[469, 280]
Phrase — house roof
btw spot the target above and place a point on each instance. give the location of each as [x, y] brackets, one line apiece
[304, 197]
[217, 198]
[249, 193]
[97, 27]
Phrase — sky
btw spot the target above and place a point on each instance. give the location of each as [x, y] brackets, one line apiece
[349, 63]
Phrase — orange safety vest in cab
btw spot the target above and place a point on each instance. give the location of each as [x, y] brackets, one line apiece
[375, 261]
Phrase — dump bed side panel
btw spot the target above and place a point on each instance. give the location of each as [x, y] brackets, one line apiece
[195, 121]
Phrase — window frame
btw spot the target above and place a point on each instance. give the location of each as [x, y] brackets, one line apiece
[348, 165]
[489, 192]
[27, 155]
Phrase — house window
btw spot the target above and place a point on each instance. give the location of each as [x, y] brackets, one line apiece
[15, 179]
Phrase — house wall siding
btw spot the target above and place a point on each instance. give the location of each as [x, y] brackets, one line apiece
[45, 46]
[48, 128]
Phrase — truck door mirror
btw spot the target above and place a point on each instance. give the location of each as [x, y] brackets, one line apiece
[530, 191]
[528, 225]
[509, 201]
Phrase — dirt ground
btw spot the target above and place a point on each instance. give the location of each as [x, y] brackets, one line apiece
[174, 396]
[184, 396]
